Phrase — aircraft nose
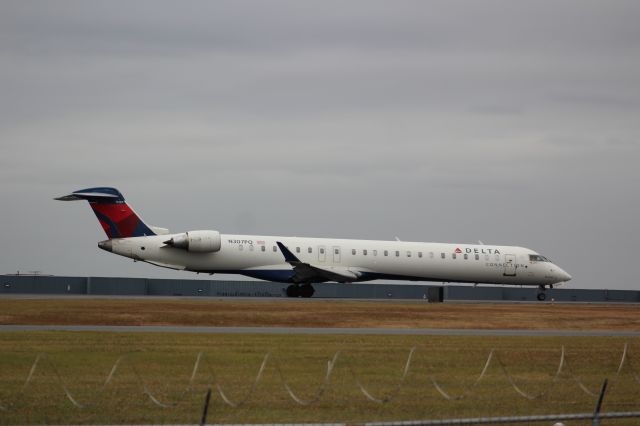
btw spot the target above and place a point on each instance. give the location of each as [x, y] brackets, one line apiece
[563, 275]
[106, 245]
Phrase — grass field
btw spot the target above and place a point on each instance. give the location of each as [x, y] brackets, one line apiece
[322, 313]
[162, 364]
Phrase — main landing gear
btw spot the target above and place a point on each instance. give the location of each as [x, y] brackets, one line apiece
[304, 290]
[541, 294]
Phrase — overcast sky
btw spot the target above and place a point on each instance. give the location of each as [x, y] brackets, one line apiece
[514, 123]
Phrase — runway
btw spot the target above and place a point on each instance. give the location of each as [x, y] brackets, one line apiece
[308, 330]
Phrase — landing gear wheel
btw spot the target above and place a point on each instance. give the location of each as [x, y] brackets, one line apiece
[293, 291]
[307, 290]
[541, 294]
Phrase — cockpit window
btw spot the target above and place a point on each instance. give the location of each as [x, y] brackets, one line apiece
[538, 258]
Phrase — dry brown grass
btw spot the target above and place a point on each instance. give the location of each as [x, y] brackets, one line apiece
[321, 313]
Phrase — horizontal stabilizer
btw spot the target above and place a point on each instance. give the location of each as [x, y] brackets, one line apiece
[75, 196]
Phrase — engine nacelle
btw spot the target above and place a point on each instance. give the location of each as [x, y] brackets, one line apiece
[197, 241]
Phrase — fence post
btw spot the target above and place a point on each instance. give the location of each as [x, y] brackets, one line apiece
[203, 421]
[596, 412]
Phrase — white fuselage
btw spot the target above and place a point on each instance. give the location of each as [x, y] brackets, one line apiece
[260, 257]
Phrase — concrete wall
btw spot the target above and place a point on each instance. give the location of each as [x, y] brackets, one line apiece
[45, 285]
[529, 294]
[22, 284]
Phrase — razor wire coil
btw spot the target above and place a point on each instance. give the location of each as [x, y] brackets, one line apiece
[202, 362]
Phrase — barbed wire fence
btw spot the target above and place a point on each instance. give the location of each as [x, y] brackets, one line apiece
[43, 361]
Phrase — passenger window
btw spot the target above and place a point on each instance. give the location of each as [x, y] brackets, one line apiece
[419, 254]
[297, 249]
[477, 257]
[335, 251]
[375, 252]
[386, 253]
[263, 248]
[453, 255]
[322, 251]
[251, 247]
[240, 247]
[397, 253]
[442, 255]
[275, 248]
[353, 252]
[408, 254]
[466, 256]
[364, 252]
[309, 250]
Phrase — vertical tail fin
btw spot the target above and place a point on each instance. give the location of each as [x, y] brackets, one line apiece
[116, 217]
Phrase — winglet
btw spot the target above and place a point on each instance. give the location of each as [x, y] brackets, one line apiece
[288, 256]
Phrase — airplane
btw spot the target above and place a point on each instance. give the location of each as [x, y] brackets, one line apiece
[302, 262]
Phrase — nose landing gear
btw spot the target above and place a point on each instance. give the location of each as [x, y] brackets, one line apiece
[304, 290]
[541, 294]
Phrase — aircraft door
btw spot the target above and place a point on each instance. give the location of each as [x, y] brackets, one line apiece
[509, 265]
[322, 254]
[336, 254]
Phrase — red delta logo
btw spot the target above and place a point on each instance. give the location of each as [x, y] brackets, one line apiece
[458, 251]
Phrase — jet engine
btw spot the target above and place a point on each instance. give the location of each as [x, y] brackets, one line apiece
[197, 241]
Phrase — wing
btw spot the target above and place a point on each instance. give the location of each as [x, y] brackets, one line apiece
[307, 272]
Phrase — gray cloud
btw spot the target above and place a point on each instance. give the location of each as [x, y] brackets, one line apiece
[513, 123]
